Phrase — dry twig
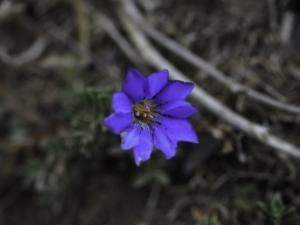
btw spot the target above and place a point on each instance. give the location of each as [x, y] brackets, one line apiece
[9, 9]
[273, 14]
[152, 203]
[82, 23]
[287, 27]
[154, 58]
[104, 22]
[201, 64]
[29, 55]
[295, 72]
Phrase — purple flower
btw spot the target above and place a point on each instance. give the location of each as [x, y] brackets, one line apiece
[151, 112]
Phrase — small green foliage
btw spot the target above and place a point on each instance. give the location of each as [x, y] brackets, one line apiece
[91, 105]
[277, 213]
[152, 172]
[211, 220]
[88, 112]
[63, 156]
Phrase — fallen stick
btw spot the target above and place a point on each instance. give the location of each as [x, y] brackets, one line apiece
[83, 23]
[233, 86]
[29, 55]
[8, 10]
[105, 23]
[155, 59]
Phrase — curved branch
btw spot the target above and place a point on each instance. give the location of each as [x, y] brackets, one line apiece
[153, 57]
[28, 56]
[201, 64]
[104, 22]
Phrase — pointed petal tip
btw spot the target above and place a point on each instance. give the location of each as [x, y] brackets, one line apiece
[178, 109]
[135, 85]
[137, 161]
[193, 137]
[133, 70]
[164, 72]
[163, 143]
[168, 157]
[179, 129]
[156, 82]
[174, 90]
[121, 102]
[196, 141]
[143, 150]
[194, 110]
[130, 138]
[118, 122]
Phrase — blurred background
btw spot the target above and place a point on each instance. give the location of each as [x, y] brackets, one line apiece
[60, 61]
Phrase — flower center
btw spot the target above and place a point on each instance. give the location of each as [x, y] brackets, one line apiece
[145, 111]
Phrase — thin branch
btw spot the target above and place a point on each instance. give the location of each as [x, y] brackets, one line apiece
[62, 35]
[106, 23]
[287, 25]
[201, 64]
[9, 9]
[152, 202]
[82, 20]
[154, 58]
[28, 56]
[295, 72]
[273, 14]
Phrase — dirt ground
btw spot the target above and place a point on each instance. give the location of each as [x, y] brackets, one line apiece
[60, 165]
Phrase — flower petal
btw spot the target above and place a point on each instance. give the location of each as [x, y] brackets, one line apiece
[121, 103]
[179, 129]
[163, 142]
[143, 150]
[135, 85]
[156, 81]
[179, 109]
[118, 121]
[130, 137]
[175, 90]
